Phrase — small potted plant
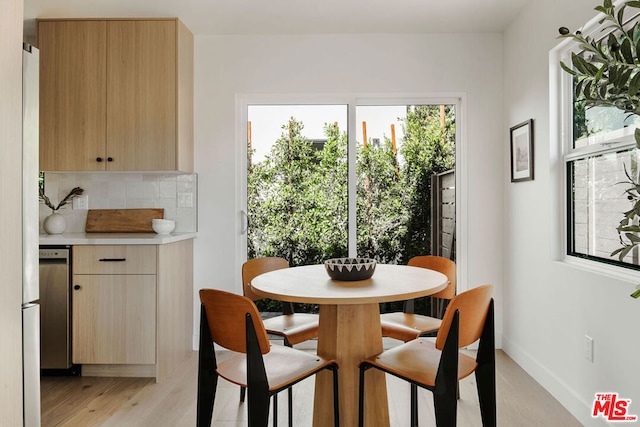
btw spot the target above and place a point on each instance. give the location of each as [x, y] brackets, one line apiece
[55, 223]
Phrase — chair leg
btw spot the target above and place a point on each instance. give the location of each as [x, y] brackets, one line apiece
[336, 400]
[290, 391]
[207, 376]
[414, 405]
[485, 381]
[258, 386]
[363, 368]
[445, 409]
[207, 384]
[444, 393]
[275, 410]
[486, 371]
[290, 408]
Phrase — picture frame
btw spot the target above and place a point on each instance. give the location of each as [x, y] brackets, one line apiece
[521, 137]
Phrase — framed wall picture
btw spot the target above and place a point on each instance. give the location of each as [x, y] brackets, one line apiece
[522, 151]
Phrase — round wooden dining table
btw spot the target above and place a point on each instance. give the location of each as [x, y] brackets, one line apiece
[349, 328]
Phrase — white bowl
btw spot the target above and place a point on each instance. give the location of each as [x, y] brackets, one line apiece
[163, 226]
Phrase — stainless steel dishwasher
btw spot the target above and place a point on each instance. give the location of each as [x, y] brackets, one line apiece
[55, 304]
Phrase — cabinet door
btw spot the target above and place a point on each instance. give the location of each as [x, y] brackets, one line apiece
[114, 319]
[141, 94]
[72, 94]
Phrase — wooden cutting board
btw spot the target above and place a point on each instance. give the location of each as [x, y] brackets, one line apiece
[122, 220]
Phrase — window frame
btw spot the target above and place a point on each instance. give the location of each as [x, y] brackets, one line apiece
[352, 100]
[562, 126]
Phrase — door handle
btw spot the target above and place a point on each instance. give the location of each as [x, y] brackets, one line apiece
[112, 259]
[245, 225]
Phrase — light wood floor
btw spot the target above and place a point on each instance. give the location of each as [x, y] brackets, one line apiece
[121, 402]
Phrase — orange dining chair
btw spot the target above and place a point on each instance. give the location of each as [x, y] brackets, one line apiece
[406, 325]
[294, 328]
[438, 366]
[233, 322]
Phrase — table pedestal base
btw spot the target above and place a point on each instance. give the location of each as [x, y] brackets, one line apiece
[348, 334]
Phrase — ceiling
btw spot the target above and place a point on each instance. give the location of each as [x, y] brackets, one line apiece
[216, 17]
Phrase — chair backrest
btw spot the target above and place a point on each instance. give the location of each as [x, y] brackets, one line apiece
[473, 306]
[255, 267]
[444, 266]
[226, 317]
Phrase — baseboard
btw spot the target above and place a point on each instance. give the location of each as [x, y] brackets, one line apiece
[141, 371]
[561, 391]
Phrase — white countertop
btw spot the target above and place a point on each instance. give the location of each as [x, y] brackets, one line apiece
[113, 238]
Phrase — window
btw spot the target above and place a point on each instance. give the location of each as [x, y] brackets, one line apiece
[600, 158]
[597, 201]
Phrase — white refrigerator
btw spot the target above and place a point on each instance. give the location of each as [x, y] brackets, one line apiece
[30, 237]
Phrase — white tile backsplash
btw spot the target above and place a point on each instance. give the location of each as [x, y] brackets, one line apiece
[115, 189]
[142, 190]
[124, 190]
[167, 190]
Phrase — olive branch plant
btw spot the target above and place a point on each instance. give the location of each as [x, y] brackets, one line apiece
[75, 192]
[607, 73]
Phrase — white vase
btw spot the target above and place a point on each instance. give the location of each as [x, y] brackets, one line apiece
[54, 224]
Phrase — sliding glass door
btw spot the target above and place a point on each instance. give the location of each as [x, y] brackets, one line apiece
[339, 179]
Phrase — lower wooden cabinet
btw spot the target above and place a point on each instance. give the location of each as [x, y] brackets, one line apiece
[132, 308]
[114, 319]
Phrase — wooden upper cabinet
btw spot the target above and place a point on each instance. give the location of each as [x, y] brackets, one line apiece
[72, 94]
[147, 101]
[141, 98]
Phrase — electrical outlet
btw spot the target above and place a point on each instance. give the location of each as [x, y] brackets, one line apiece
[185, 200]
[588, 348]
[81, 202]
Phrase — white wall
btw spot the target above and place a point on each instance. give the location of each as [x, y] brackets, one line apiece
[366, 64]
[549, 306]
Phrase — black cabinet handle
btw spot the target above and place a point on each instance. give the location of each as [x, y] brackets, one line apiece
[109, 159]
[76, 287]
[98, 159]
[112, 259]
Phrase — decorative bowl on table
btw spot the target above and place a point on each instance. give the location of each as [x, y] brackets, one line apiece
[350, 269]
[163, 226]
